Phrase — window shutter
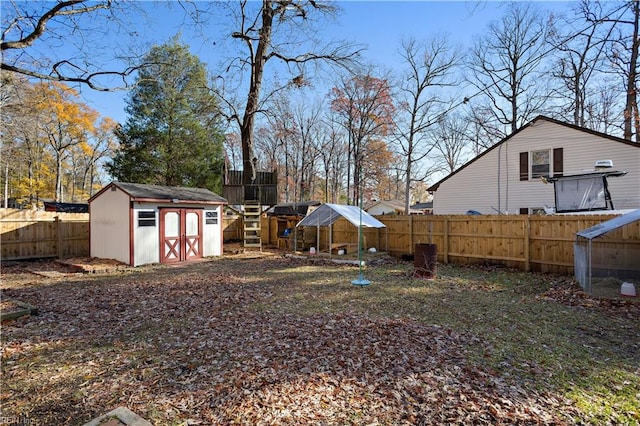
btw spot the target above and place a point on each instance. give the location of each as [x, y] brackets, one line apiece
[524, 166]
[558, 162]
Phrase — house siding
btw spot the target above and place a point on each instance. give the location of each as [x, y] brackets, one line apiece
[492, 183]
[109, 224]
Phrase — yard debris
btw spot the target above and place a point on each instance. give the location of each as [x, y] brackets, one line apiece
[210, 344]
[569, 293]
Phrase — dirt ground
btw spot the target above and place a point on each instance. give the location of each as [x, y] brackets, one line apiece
[267, 338]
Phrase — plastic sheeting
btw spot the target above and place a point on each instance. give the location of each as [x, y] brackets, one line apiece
[327, 214]
[609, 225]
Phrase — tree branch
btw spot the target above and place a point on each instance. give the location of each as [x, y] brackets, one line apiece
[57, 10]
[89, 79]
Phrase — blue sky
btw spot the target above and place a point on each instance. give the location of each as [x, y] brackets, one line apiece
[377, 25]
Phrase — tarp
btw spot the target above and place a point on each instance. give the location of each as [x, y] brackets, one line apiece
[609, 225]
[327, 213]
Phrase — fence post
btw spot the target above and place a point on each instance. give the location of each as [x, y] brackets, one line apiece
[58, 223]
[527, 231]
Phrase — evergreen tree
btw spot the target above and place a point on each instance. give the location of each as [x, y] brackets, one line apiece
[172, 136]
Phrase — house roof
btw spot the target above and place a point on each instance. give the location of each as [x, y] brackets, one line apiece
[423, 206]
[435, 186]
[394, 204]
[327, 213]
[157, 193]
[290, 209]
[609, 225]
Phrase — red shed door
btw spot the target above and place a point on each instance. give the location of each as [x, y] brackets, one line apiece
[180, 235]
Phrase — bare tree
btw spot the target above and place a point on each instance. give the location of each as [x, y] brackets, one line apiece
[622, 53]
[34, 32]
[579, 51]
[505, 65]
[482, 132]
[450, 140]
[104, 145]
[333, 159]
[233, 151]
[429, 68]
[275, 145]
[307, 119]
[603, 110]
[277, 31]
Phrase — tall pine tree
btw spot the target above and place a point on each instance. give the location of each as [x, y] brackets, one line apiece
[172, 135]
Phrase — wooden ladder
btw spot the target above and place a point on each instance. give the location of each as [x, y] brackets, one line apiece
[252, 214]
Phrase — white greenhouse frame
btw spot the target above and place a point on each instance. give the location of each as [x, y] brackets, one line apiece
[619, 264]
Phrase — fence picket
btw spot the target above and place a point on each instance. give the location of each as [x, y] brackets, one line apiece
[531, 243]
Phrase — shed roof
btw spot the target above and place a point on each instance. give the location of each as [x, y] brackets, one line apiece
[609, 225]
[327, 213]
[159, 193]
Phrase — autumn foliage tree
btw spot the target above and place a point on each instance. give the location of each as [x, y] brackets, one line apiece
[66, 124]
[365, 108]
[45, 127]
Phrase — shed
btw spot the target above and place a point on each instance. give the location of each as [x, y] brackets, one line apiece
[327, 214]
[605, 255]
[139, 224]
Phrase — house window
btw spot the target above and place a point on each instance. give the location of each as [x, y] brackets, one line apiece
[211, 218]
[147, 218]
[539, 164]
[535, 164]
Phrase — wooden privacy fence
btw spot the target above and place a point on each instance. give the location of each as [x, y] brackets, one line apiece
[530, 243]
[27, 234]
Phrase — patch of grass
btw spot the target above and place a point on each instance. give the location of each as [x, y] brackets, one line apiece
[174, 328]
[609, 396]
[586, 355]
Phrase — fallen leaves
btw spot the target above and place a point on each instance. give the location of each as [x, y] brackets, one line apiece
[209, 344]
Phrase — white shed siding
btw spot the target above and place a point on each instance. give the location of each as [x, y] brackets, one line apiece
[146, 239]
[498, 172]
[212, 234]
[109, 224]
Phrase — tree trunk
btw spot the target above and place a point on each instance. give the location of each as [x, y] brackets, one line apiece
[58, 177]
[249, 161]
[631, 106]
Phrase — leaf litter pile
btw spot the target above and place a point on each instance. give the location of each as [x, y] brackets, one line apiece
[277, 341]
